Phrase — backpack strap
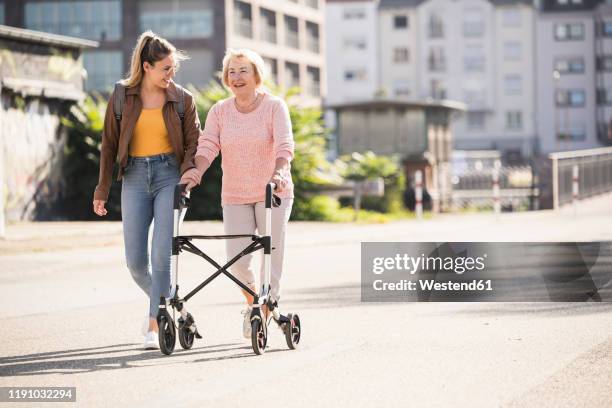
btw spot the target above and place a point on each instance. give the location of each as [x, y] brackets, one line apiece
[118, 103]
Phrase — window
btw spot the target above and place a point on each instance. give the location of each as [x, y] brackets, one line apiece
[575, 131]
[569, 2]
[436, 59]
[291, 32]
[476, 120]
[513, 84]
[268, 25]
[474, 95]
[94, 20]
[604, 131]
[400, 55]
[436, 26]
[1, 13]
[355, 74]
[604, 63]
[243, 21]
[512, 51]
[574, 65]
[604, 96]
[473, 23]
[437, 89]
[312, 37]
[104, 68]
[606, 28]
[354, 14]
[271, 67]
[569, 32]
[474, 59]
[292, 75]
[514, 120]
[192, 20]
[355, 43]
[401, 87]
[511, 18]
[200, 69]
[400, 22]
[571, 98]
[312, 3]
[313, 82]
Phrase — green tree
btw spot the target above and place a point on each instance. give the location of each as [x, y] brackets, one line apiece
[81, 163]
[360, 167]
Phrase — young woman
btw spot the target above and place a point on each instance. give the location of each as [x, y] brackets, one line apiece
[154, 147]
[252, 130]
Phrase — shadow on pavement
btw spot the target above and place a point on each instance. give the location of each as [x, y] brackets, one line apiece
[71, 362]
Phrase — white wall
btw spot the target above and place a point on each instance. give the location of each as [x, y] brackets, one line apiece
[341, 58]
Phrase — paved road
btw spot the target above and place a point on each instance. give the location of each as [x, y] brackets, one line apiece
[71, 317]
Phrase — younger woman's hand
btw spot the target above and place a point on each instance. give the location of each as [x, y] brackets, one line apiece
[98, 207]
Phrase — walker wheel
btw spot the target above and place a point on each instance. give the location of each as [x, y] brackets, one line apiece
[186, 336]
[258, 337]
[167, 334]
[293, 331]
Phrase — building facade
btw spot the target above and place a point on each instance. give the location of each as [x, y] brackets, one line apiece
[352, 50]
[574, 67]
[475, 51]
[288, 33]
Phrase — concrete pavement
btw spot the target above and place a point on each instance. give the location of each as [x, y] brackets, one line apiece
[71, 317]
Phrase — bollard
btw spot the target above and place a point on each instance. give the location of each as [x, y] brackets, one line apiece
[418, 193]
[496, 202]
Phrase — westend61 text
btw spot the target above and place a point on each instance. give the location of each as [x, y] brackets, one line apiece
[429, 284]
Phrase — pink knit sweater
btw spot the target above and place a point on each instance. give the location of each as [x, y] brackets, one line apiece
[249, 144]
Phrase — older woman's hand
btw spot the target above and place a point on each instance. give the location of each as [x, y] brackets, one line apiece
[191, 178]
[279, 180]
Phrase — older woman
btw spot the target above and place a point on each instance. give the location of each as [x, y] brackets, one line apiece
[252, 130]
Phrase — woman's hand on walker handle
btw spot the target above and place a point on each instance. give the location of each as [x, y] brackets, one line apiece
[281, 169]
[191, 178]
[98, 207]
[279, 181]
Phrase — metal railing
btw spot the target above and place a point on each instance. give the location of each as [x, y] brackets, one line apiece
[594, 168]
[510, 187]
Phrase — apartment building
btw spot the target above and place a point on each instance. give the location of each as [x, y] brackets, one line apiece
[352, 49]
[475, 51]
[288, 33]
[574, 69]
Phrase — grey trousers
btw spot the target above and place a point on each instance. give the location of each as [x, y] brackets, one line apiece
[246, 219]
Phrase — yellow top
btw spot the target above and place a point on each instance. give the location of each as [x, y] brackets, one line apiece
[150, 136]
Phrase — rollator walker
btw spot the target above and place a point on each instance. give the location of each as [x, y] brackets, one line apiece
[187, 330]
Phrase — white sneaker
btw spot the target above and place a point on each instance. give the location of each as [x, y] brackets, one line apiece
[151, 341]
[246, 322]
[144, 329]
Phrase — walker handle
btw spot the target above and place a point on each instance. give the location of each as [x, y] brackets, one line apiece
[272, 200]
[180, 198]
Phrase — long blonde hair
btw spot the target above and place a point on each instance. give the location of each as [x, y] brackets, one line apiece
[150, 48]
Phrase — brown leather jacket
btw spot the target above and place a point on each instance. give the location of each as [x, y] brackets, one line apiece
[115, 144]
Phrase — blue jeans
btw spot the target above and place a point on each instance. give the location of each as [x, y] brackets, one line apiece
[147, 195]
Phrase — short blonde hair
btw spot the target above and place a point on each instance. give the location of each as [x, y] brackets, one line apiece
[251, 56]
